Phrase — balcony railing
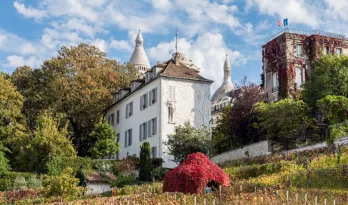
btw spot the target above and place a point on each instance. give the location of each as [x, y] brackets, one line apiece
[308, 33]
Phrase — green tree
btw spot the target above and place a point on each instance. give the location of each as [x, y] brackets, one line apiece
[285, 121]
[187, 140]
[145, 162]
[232, 126]
[79, 82]
[334, 110]
[48, 140]
[4, 162]
[105, 144]
[330, 77]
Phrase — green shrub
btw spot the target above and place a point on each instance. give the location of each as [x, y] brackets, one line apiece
[63, 185]
[34, 182]
[7, 180]
[124, 180]
[251, 171]
[145, 162]
[57, 164]
[19, 183]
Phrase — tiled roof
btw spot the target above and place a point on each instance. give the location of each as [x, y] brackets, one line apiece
[98, 178]
[182, 71]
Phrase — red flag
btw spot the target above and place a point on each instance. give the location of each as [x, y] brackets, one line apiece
[280, 23]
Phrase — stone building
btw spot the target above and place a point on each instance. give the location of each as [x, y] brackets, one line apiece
[169, 94]
[289, 56]
[223, 96]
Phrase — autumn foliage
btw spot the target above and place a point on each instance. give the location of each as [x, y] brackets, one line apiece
[193, 174]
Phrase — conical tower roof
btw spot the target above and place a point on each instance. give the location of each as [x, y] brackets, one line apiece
[139, 58]
[227, 84]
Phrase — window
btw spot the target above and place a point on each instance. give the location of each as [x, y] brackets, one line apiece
[299, 77]
[338, 51]
[117, 117]
[143, 102]
[143, 131]
[325, 50]
[275, 82]
[154, 126]
[171, 92]
[153, 152]
[153, 96]
[298, 50]
[129, 109]
[128, 138]
[111, 119]
[154, 72]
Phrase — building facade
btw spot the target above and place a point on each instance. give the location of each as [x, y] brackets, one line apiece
[289, 56]
[168, 95]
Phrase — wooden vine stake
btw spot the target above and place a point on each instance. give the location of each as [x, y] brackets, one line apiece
[195, 200]
[205, 201]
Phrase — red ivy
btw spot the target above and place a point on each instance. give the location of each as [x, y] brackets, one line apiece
[193, 174]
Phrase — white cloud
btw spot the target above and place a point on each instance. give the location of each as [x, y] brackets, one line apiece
[298, 11]
[16, 61]
[162, 5]
[121, 45]
[337, 9]
[2, 40]
[29, 12]
[101, 44]
[27, 48]
[207, 52]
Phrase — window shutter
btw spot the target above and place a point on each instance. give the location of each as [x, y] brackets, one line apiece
[146, 100]
[173, 89]
[126, 138]
[170, 92]
[140, 133]
[141, 103]
[150, 98]
[149, 128]
[130, 137]
[155, 95]
[131, 108]
[126, 111]
[145, 130]
[155, 126]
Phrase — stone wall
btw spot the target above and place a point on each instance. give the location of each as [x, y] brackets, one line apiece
[253, 150]
[97, 188]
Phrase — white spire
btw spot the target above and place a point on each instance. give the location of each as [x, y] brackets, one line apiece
[227, 84]
[139, 58]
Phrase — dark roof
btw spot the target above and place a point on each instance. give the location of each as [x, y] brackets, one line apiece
[98, 178]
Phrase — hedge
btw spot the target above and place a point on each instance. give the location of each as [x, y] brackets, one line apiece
[7, 180]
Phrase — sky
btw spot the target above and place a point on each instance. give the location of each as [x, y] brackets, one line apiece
[32, 31]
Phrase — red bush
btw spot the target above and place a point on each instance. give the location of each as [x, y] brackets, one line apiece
[193, 174]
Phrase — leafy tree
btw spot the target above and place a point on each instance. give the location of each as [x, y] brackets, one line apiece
[234, 120]
[187, 140]
[47, 141]
[4, 162]
[285, 121]
[79, 82]
[145, 162]
[12, 128]
[330, 77]
[105, 144]
[335, 111]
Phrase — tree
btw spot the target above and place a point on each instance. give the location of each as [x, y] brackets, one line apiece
[48, 140]
[105, 144]
[79, 83]
[330, 77]
[4, 162]
[334, 110]
[187, 140]
[11, 120]
[234, 120]
[145, 162]
[285, 121]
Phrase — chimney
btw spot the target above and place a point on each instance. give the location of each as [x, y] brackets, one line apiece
[177, 60]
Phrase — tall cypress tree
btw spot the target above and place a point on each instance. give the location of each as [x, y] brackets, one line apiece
[145, 162]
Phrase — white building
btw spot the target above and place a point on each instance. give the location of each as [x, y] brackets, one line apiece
[223, 96]
[169, 95]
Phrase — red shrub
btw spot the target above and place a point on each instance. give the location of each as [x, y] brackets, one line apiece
[193, 174]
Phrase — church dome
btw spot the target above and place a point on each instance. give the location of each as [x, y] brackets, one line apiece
[139, 58]
[227, 85]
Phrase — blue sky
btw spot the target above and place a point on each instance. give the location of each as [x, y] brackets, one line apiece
[32, 31]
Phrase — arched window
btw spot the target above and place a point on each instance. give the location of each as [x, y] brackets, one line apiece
[171, 113]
